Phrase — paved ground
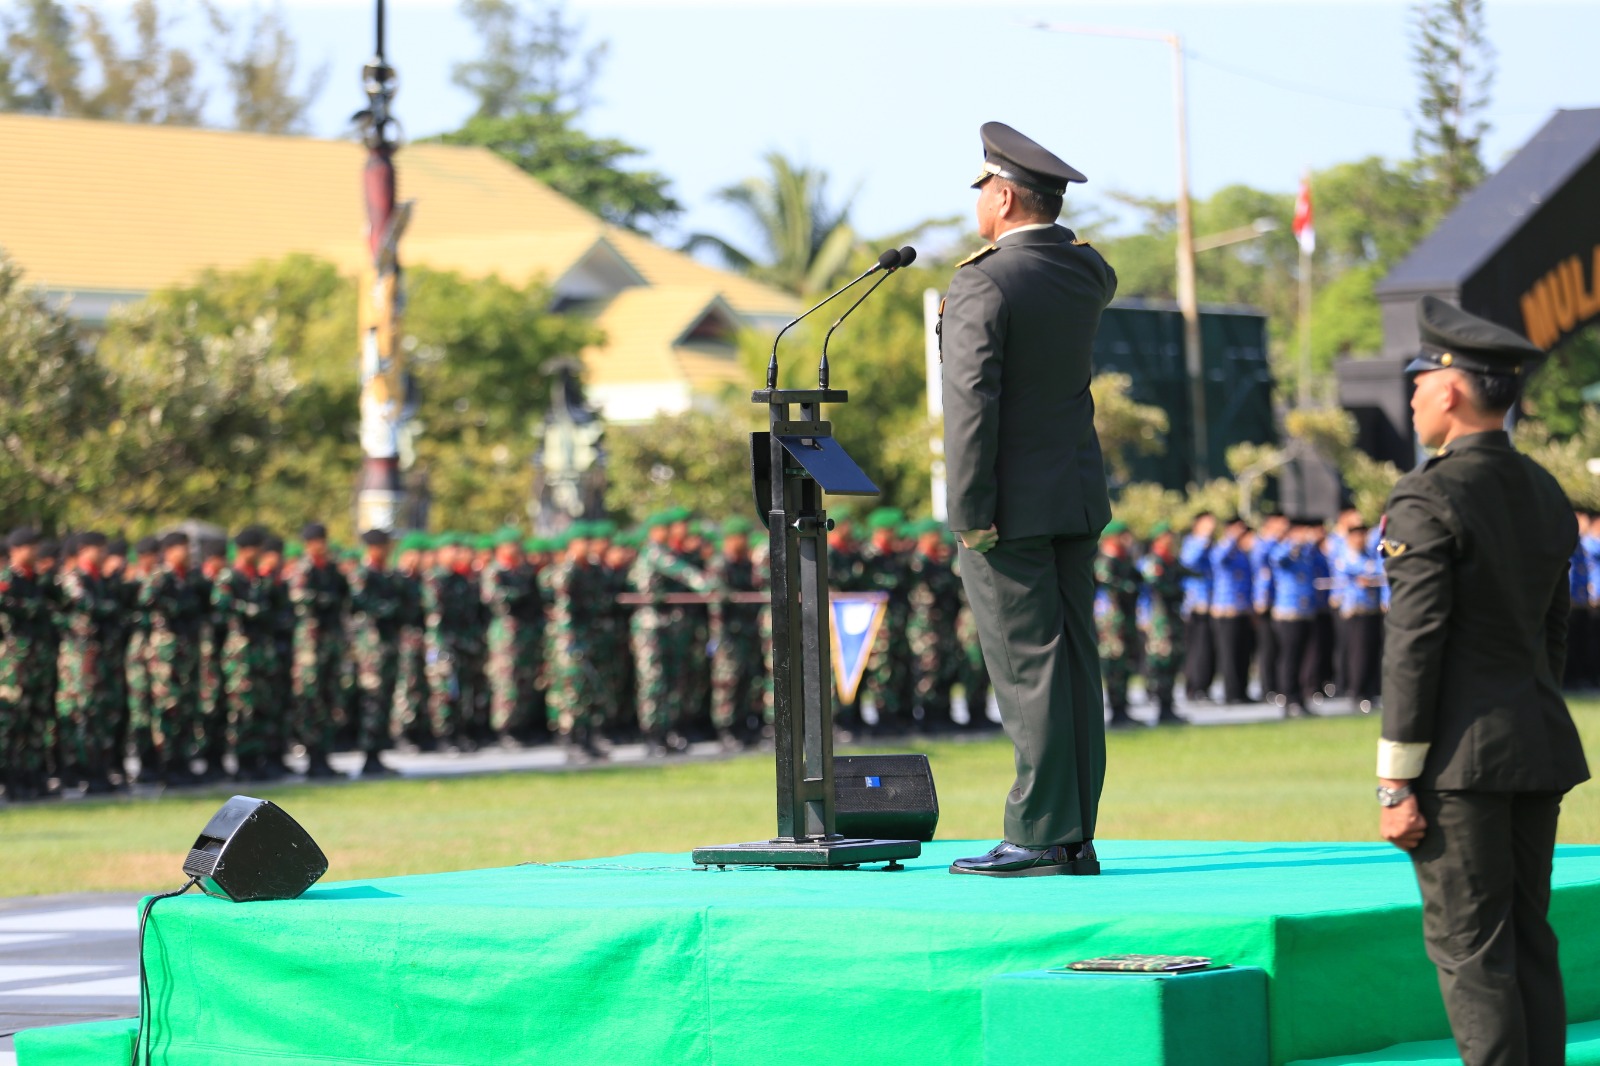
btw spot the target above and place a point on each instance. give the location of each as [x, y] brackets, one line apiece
[74, 958]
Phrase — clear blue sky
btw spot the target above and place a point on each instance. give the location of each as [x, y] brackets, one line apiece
[887, 95]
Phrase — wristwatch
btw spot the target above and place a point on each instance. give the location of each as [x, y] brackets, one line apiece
[1393, 797]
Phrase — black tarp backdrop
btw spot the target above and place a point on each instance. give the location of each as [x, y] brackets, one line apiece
[1144, 340]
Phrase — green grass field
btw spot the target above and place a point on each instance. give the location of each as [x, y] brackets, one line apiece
[1302, 780]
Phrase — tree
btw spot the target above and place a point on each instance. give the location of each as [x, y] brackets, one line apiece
[56, 395]
[805, 239]
[699, 460]
[1455, 65]
[156, 82]
[39, 71]
[532, 85]
[260, 61]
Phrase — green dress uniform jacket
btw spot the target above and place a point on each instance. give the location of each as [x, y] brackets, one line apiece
[1477, 543]
[1016, 332]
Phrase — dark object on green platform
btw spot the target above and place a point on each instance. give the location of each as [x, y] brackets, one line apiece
[251, 850]
[791, 466]
[1140, 964]
[885, 796]
[1215, 1018]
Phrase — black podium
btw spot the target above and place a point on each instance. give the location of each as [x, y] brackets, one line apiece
[792, 465]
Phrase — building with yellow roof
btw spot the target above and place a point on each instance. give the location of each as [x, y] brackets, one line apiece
[101, 213]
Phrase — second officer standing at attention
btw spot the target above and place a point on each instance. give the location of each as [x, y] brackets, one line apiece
[1028, 495]
[1478, 748]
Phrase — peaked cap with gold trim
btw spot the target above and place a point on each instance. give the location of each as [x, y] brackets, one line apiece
[1454, 339]
[1015, 157]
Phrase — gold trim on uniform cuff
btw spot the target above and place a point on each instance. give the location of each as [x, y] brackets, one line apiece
[1401, 761]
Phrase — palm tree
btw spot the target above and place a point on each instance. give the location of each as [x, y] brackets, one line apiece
[808, 241]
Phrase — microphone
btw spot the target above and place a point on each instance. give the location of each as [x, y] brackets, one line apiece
[904, 257]
[888, 261]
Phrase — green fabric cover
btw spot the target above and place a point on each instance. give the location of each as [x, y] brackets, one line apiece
[85, 1044]
[1214, 1018]
[647, 960]
[1583, 1049]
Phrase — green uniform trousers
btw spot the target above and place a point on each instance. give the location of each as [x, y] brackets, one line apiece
[1484, 870]
[1033, 601]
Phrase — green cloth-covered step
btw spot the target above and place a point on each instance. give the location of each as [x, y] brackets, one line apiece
[1583, 1049]
[107, 1043]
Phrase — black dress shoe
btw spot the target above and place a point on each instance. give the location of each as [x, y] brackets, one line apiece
[1014, 860]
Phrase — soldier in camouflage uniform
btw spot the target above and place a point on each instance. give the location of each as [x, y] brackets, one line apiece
[27, 669]
[320, 595]
[1161, 618]
[576, 690]
[246, 608]
[973, 670]
[136, 671]
[116, 570]
[91, 608]
[174, 608]
[935, 600]
[454, 609]
[1116, 617]
[885, 568]
[278, 724]
[738, 670]
[213, 692]
[660, 642]
[510, 590]
[378, 602]
[612, 653]
[411, 717]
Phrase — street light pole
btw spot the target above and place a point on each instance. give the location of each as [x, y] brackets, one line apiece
[1188, 301]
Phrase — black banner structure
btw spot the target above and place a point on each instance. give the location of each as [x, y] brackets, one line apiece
[1523, 249]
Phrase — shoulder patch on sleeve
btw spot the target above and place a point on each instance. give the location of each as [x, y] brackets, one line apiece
[1391, 549]
[979, 254]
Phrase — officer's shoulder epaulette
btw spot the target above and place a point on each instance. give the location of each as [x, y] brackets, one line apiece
[979, 254]
[1082, 244]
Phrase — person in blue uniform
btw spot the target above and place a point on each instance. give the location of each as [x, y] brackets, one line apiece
[1358, 574]
[1580, 657]
[1200, 660]
[1232, 605]
[1273, 528]
[1294, 609]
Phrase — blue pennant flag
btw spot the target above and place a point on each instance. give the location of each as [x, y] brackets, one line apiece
[856, 619]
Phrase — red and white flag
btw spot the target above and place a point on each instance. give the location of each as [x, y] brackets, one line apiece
[1304, 231]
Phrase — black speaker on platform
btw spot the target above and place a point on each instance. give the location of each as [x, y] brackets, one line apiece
[885, 797]
[251, 850]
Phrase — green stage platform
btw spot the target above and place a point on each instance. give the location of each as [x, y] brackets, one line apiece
[645, 959]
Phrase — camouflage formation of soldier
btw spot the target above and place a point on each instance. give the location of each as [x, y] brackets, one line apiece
[116, 570]
[1161, 618]
[246, 611]
[455, 631]
[935, 602]
[412, 721]
[1116, 605]
[213, 690]
[510, 590]
[173, 603]
[279, 720]
[136, 670]
[738, 668]
[886, 568]
[319, 595]
[616, 665]
[27, 669]
[90, 606]
[661, 644]
[378, 603]
[576, 687]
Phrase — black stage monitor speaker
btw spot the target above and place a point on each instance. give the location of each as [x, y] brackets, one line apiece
[251, 850]
[884, 797]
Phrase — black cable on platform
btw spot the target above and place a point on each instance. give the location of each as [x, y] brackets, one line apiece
[139, 1038]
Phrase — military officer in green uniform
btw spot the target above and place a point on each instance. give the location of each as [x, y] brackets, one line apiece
[378, 601]
[1027, 495]
[1478, 748]
[319, 594]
